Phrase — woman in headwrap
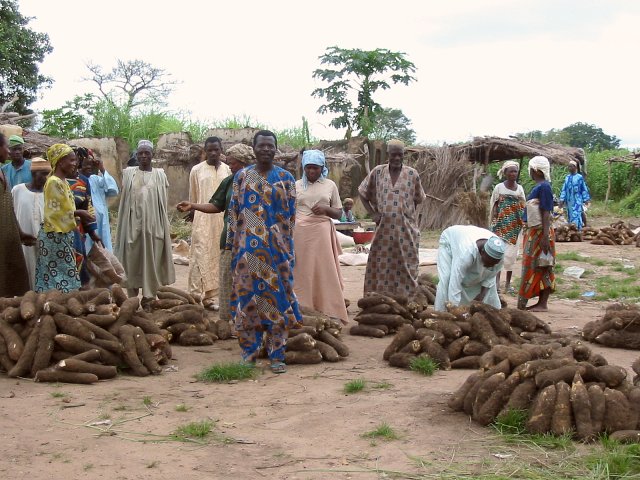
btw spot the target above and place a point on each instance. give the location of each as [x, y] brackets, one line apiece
[539, 251]
[14, 280]
[575, 194]
[57, 265]
[507, 208]
[318, 281]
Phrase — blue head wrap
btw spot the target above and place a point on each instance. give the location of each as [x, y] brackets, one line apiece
[313, 157]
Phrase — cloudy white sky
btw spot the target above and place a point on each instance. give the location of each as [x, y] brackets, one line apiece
[485, 67]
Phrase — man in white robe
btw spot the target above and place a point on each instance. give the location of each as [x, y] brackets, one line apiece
[469, 258]
[28, 203]
[143, 241]
[204, 256]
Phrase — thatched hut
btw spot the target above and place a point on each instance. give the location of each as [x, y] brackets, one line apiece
[450, 175]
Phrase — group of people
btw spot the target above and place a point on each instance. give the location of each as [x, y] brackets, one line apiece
[49, 204]
[470, 259]
[271, 228]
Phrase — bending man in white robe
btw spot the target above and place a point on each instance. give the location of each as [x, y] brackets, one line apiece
[469, 258]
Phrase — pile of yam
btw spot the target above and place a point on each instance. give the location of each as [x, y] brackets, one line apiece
[382, 314]
[619, 327]
[562, 389]
[84, 336]
[618, 233]
[568, 233]
[463, 337]
[589, 233]
[317, 339]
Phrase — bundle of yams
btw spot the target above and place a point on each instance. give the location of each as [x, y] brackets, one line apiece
[563, 390]
[463, 337]
[568, 233]
[382, 314]
[619, 327]
[618, 233]
[83, 336]
[317, 339]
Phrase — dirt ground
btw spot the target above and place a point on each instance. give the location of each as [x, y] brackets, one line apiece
[300, 425]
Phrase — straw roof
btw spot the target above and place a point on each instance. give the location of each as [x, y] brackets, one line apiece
[495, 149]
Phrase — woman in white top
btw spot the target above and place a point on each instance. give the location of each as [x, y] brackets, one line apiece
[28, 203]
[318, 282]
[507, 210]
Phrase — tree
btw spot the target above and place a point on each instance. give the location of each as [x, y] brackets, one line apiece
[590, 137]
[360, 74]
[21, 52]
[579, 134]
[392, 123]
[136, 82]
[72, 120]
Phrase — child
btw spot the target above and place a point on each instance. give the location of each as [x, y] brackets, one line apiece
[347, 214]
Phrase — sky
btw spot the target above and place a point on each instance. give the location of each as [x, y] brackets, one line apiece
[484, 67]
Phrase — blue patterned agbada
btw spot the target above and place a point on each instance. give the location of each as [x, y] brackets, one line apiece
[575, 193]
[260, 237]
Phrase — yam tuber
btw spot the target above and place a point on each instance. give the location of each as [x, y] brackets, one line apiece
[308, 357]
[54, 375]
[301, 343]
[15, 345]
[562, 419]
[366, 331]
[539, 421]
[404, 335]
[103, 372]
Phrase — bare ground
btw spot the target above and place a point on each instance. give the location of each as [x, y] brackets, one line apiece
[300, 425]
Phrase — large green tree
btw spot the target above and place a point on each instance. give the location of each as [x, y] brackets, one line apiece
[21, 52]
[579, 134]
[392, 123]
[352, 77]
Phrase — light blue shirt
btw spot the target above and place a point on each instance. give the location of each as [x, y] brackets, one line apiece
[16, 176]
[102, 186]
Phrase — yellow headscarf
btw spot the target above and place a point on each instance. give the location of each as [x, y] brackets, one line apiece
[56, 152]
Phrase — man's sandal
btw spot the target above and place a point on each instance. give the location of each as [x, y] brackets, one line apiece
[278, 367]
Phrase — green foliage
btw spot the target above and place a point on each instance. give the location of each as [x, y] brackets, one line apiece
[424, 365]
[511, 422]
[72, 120]
[391, 123]
[181, 407]
[615, 461]
[21, 52]
[360, 74]
[383, 431]
[355, 386]
[224, 372]
[579, 134]
[197, 430]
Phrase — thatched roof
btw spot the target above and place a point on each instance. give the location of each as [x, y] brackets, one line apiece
[495, 149]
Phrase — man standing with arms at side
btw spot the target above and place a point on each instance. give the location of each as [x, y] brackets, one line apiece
[261, 221]
[391, 194]
[204, 258]
[143, 241]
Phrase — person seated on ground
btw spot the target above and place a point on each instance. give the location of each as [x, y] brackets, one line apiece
[469, 258]
[347, 215]
[347, 211]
